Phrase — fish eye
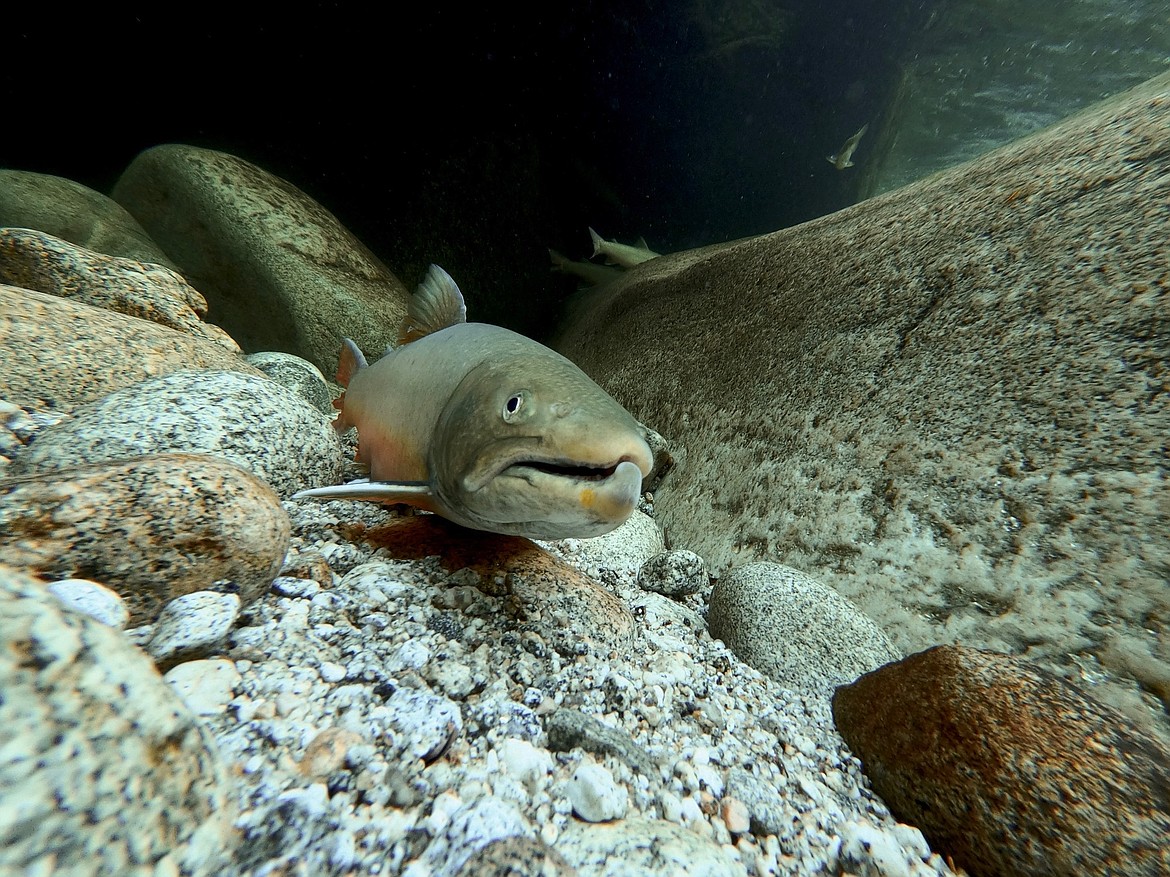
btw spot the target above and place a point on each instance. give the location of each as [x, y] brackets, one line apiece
[513, 406]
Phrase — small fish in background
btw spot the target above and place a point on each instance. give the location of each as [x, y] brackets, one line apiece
[622, 254]
[844, 156]
[487, 428]
[590, 272]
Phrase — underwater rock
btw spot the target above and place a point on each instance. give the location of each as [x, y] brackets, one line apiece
[149, 528]
[103, 770]
[674, 574]
[792, 628]
[640, 847]
[251, 421]
[299, 375]
[75, 213]
[38, 261]
[1009, 769]
[57, 354]
[949, 402]
[516, 856]
[278, 269]
[574, 614]
[472, 827]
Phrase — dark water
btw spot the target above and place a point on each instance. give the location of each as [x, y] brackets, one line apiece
[480, 138]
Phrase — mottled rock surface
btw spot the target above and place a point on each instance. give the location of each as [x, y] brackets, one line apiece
[251, 421]
[298, 375]
[150, 528]
[1009, 769]
[278, 269]
[516, 857]
[572, 613]
[74, 213]
[633, 847]
[102, 769]
[791, 627]
[38, 261]
[57, 354]
[949, 402]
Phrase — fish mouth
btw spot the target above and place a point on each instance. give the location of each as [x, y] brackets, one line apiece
[532, 469]
[561, 469]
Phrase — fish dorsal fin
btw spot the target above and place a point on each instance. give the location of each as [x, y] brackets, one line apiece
[641, 244]
[435, 305]
[351, 361]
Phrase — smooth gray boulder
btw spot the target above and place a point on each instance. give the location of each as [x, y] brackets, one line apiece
[792, 628]
[278, 269]
[75, 213]
[949, 402]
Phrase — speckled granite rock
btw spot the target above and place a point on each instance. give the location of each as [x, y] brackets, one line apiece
[791, 627]
[251, 421]
[279, 271]
[516, 857]
[949, 402]
[150, 528]
[574, 614]
[56, 353]
[470, 828]
[38, 261]
[74, 213]
[1008, 769]
[192, 626]
[674, 574]
[633, 543]
[643, 848]
[102, 770]
[298, 375]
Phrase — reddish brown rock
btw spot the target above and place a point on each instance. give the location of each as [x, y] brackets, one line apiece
[150, 528]
[57, 354]
[35, 260]
[1008, 769]
[569, 607]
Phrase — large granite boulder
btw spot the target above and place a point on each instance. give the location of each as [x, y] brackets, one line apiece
[948, 402]
[56, 353]
[74, 213]
[103, 770]
[278, 270]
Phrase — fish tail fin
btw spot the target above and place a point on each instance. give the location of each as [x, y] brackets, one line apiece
[597, 242]
[559, 261]
[435, 305]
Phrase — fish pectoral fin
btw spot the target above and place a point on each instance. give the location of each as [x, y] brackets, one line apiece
[415, 493]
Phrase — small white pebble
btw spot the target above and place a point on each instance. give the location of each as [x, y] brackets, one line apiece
[93, 599]
[595, 796]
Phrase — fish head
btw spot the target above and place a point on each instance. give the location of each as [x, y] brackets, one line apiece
[532, 447]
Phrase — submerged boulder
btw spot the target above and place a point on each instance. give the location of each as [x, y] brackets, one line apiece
[949, 402]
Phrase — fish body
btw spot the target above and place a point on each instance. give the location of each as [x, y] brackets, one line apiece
[844, 156]
[590, 272]
[621, 254]
[487, 428]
